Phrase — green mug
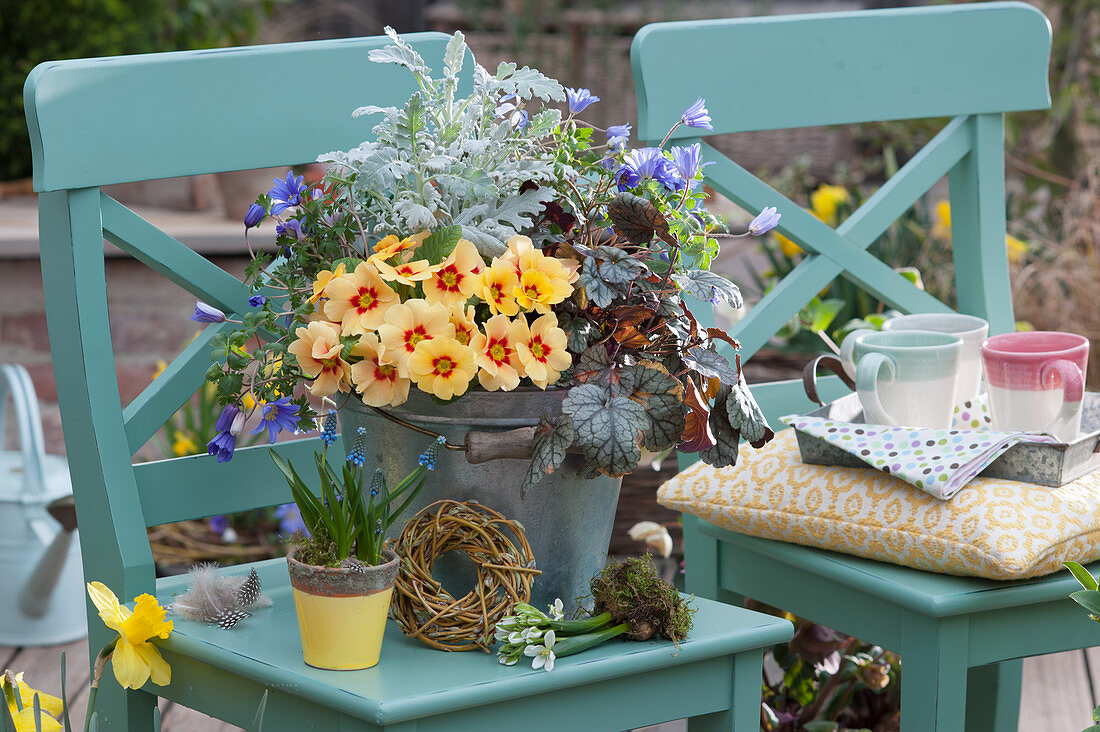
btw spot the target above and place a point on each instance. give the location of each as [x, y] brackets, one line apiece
[907, 378]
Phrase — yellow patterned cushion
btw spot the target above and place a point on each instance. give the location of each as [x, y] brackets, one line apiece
[1000, 529]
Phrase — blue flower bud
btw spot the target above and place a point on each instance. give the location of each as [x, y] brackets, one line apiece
[254, 215]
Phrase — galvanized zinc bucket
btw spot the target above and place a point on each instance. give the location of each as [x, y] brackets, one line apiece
[568, 519]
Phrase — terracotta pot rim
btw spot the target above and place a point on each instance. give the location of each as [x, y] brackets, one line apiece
[341, 581]
[337, 571]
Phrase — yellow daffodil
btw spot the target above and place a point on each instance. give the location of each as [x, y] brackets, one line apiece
[375, 377]
[1017, 249]
[496, 285]
[248, 401]
[825, 201]
[358, 300]
[465, 323]
[442, 366]
[134, 659]
[161, 366]
[495, 352]
[410, 323]
[407, 273]
[788, 247]
[323, 278]
[455, 281]
[318, 350]
[183, 444]
[542, 351]
[11, 684]
[941, 220]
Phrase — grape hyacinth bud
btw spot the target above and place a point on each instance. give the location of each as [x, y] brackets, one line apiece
[376, 482]
[254, 215]
[328, 428]
[428, 457]
[358, 456]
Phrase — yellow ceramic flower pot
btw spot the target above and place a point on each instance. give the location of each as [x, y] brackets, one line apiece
[342, 612]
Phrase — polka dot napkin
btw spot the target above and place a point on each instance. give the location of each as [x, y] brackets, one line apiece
[939, 462]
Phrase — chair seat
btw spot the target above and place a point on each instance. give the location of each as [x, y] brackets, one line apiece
[413, 681]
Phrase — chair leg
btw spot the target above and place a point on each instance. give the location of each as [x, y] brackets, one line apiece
[744, 712]
[993, 697]
[700, 560]
[118, 710]
[933, 674]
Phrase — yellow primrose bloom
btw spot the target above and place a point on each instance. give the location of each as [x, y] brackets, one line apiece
[410, 323]
[407, 273]
[391, 246]
[538, 290]
[134, 659]
[517, 247]
[51, 706]
[465, 323]
[788, 247]
[183, 444]
[358, 300]
[825, 201]
[323, 278]
[495, 352]
[941, 220]
[442, 366]
[542, 351]
[496, 285]
[375, 377]
[1017, 249]
[318, 350]
[455, 281]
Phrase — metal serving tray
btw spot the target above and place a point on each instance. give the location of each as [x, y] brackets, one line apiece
[1045, 464]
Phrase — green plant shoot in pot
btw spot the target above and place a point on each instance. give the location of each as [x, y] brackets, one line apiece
[342, 573]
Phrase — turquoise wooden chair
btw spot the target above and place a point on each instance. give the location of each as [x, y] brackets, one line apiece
[960, 639]
[101, 121]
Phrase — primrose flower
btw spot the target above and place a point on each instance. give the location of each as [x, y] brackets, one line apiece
[391, 246]
[286, 193]
[323, 278]
[254, 215]
[290, 519]
[542, 351]
[496, 284]
[765, 221]
[518, 245]
[277, 416]
[542, 656]
[442, 366]
[207, 313]
[410, 323]
[617, 135]
[51, 706]
[455, 280]
[407, 273]
[375, 377]
[648, 162]
[135, 659]
[686, 161]
[579, 100]
[697, 116]
[495, 353]
[358, 300]
[543, 281]
[465, 323]
[318, 350]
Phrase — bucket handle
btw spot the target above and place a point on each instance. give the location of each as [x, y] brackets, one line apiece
[480, 446]
[15, 380]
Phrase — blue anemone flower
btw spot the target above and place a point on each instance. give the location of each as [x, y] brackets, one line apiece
[254, 215]
[218, 524]
[686, 160]
[257, 301]
[697, 116]
[290, 519]
[277, 416]
[648, 162]
[291, 227]
[617, 135]
[765, 221]
[222, 445]
[579, 100]
[207, 313]
[226, 418]
[286, 193]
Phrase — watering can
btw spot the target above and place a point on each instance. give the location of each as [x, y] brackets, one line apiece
[41, 579]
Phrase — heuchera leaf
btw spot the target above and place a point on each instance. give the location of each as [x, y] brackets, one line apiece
[710, 364]
[607, 427]
[597, 290]
[552, 439]
[745, 415]
[697, 435]
[705, 285]
[593, 364]
[724, 452]
[618, 267]
[439, 244]
[636, 219]
[662, 397]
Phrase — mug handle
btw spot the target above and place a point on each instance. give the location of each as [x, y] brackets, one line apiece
[867, 375]
[1073, 387]
[847, 346]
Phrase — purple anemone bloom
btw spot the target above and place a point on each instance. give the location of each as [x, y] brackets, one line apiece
[697, 116]
[257, 300]
[579, 100]
[290, 519]
[207, 313]
[277, 416]
[218, 524]
[226, 418]
[617, 135]
[291, 227]
[222, 445]
[766, 220]
[254, 215]
[286, 193]
[686, 160]
[648, 162]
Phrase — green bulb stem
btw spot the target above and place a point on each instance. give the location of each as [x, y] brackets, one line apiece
[576, 627]
[577, 643]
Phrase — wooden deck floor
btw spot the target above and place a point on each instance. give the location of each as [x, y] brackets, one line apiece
[1058, 689]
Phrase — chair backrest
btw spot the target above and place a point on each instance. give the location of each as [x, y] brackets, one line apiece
[971, 63]
[100, 121]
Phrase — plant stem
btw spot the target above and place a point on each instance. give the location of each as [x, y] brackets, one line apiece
[574, 627]
[577, 643]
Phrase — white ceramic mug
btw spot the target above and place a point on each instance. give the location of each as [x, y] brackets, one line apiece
[907, 378]
[970, 328]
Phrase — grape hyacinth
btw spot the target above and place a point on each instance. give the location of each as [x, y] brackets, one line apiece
[328, 428]
[358, 454]
[428, 457]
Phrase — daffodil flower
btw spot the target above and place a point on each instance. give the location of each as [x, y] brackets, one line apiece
[542, 656]
[135, 660]
[22, 712]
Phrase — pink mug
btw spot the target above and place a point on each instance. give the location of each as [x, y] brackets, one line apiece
[1036, 381]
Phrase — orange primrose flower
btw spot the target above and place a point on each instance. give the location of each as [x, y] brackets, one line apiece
[496, 285]
[358, 300]
[408, 324]
[323, 278]
[542, 352]
[442, 366]
[375, 377]
[455, 281]
[495, 352]
[407, 273]
[318, 352]
[391, 245]
[462, 318]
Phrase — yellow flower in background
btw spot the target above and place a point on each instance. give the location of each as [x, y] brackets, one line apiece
[318, 350]
[323, 278]
[51, 706]
[410, 323]
[495, 352]
[542, 351]
[183, 444]
[825, 201]
[455, 280]
[788, 247]
[375, 377]
[135, 660]
[248, 402]
[496, 285]
[161, 366]
[1017, 249]
[941, 220]
[442, 366]
[357, 301]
